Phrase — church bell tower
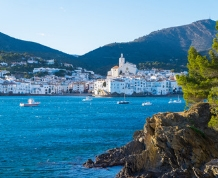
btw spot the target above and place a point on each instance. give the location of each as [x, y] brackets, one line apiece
[121, 60]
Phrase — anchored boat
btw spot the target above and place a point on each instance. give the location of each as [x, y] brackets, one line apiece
[30, 103]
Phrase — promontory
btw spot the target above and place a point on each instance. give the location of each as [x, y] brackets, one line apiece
[170, 145]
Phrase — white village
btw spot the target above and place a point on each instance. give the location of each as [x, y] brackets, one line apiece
[125, 78]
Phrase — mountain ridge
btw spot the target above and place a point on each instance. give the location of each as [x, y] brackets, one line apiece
[169, 46]
[11, 44]
[163, 45]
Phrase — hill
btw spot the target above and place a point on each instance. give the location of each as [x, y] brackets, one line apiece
[10, 44]
[167, 47]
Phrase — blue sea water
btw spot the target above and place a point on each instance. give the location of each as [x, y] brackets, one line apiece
[57, 137]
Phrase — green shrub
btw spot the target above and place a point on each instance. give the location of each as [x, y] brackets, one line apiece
[213, 122]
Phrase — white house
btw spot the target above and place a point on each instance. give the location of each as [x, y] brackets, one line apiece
[32, 61]
[3, 72]
[4, 64]
[43, 88]
[36, 89]
[50, 62]
[49, 70]
[22, 88]
[41, 69]
[8, 87]
[115, 71]
[77, 87]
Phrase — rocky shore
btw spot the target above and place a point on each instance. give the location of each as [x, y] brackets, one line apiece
[170, 145]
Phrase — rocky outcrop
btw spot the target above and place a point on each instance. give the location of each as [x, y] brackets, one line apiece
[170, 145]
[116, 156]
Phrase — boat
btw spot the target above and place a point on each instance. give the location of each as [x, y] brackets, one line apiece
[30, 103]
[123, 101]
[87, 99]
[175, 101]
[148, 103]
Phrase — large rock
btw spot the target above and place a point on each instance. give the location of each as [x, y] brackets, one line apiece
[170, 145]
[116, 156]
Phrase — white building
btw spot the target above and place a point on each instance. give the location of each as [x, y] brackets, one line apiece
[32, 61]
[44, 88]
[124, 68]
[49, 70]
[77, 87]
[50, 62]
[8, 87]
[130, 85]
[3, 72]
[22, 88]
[36, 89]
[4, 64]
[41, 69]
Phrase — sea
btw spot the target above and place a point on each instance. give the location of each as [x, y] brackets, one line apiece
[55, 138]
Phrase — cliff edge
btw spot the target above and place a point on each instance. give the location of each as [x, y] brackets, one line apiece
[170, 145]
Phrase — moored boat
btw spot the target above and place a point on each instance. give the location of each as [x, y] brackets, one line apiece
[30, 103]
[175, 101]
[87, 99]
[122, 102]
[148, 103]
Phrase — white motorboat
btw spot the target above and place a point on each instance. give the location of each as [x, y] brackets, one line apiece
[148, 103]
[175, 101]
[87, 99]
[30, 103]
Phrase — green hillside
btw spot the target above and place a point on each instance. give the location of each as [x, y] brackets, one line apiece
[10, 44]
[166, 48]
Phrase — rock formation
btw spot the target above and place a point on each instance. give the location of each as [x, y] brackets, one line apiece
[170, 145]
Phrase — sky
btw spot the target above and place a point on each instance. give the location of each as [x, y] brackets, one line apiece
[80, 26]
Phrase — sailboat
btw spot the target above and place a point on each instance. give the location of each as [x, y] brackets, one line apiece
[123, 101]
[175, 101]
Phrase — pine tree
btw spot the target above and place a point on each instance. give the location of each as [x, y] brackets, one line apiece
[202, 80]
[195, 84]
[213, 95]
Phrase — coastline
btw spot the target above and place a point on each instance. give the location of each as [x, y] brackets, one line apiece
[65, 94]
[137, 95]
[90, 94]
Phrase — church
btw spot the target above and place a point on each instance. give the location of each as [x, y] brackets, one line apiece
[124, 68]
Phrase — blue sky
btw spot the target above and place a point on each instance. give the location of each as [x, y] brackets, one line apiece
[80, 26]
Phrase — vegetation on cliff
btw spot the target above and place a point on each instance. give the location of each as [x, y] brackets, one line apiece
[201, 83]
